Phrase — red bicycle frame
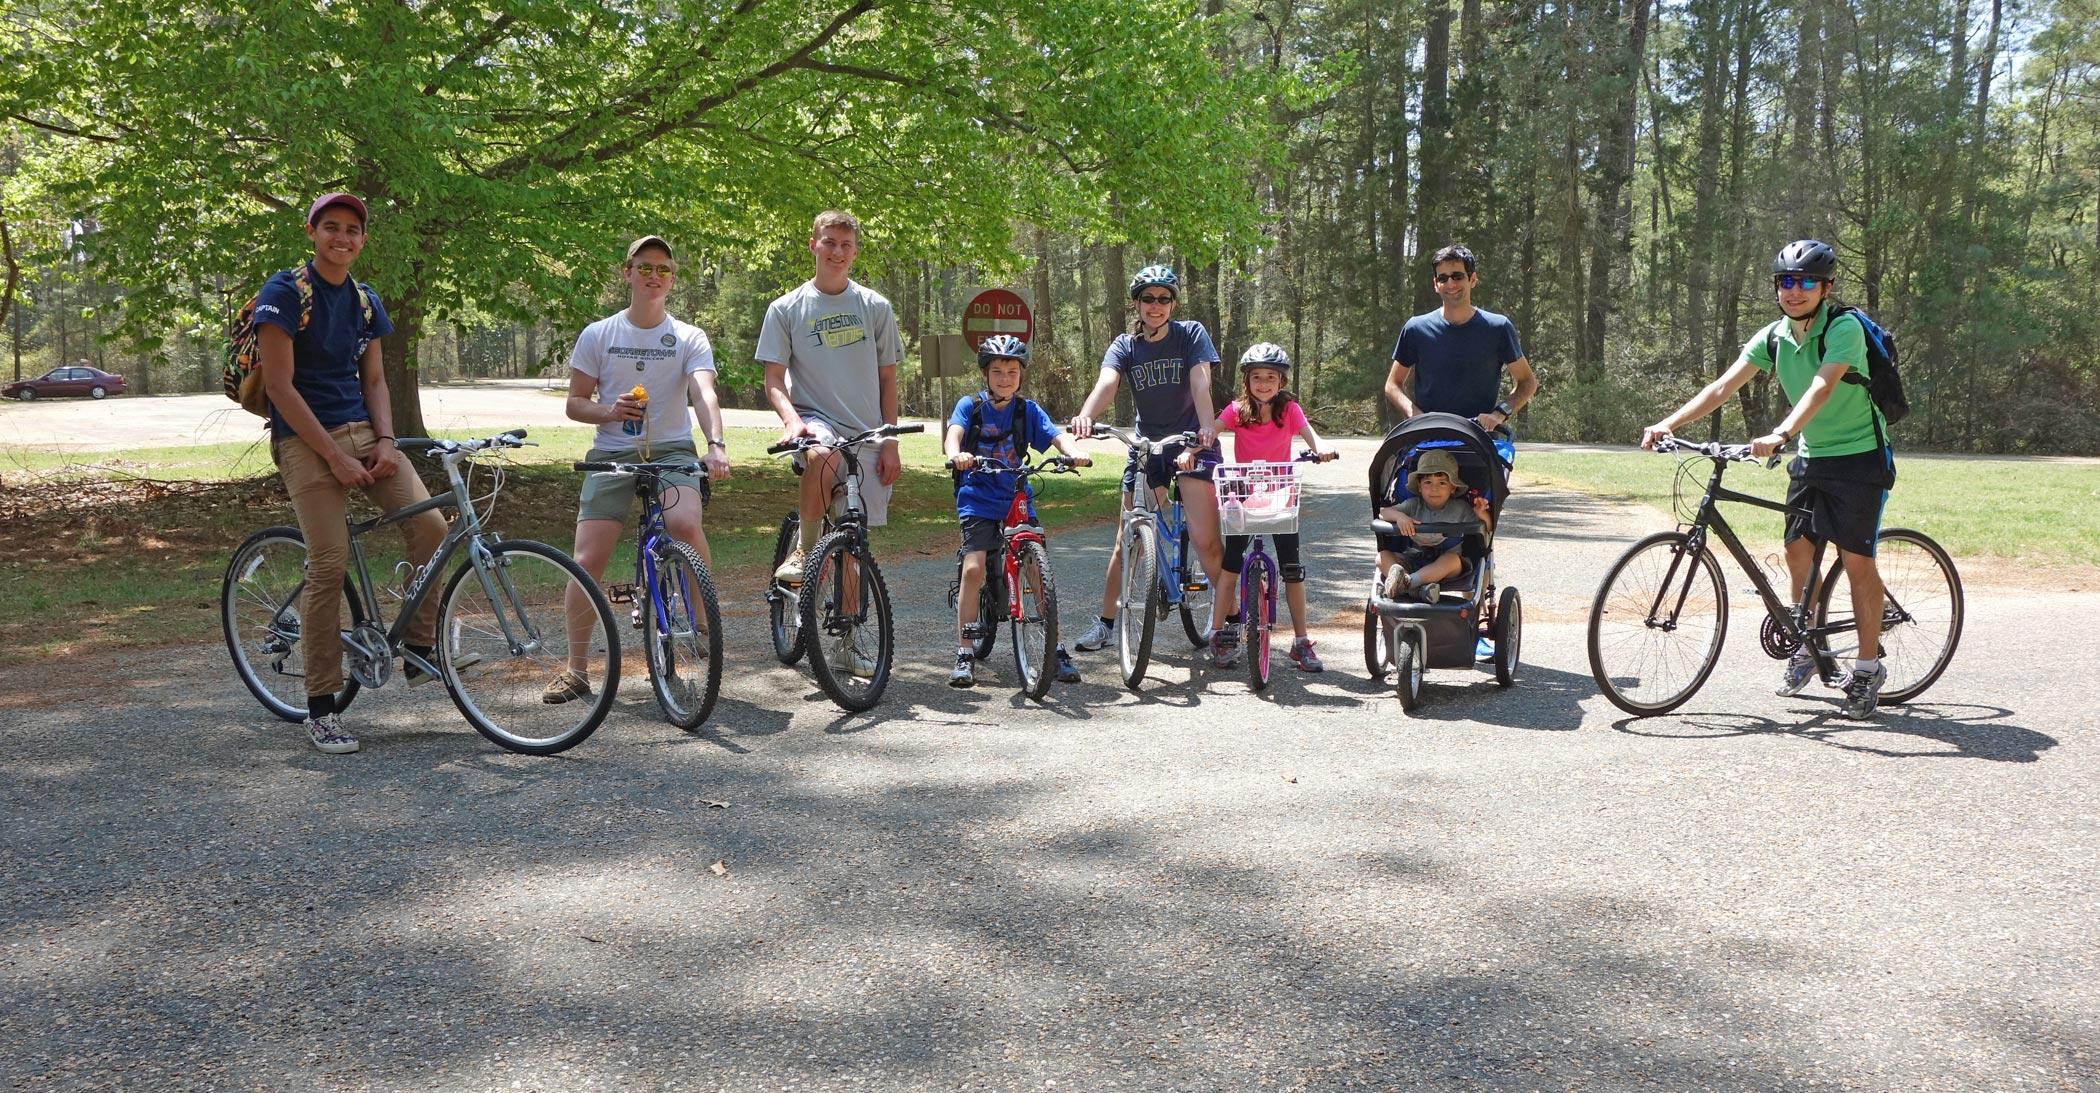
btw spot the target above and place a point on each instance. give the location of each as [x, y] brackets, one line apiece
[1016, 529]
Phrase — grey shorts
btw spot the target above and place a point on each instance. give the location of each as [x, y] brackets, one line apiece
[611, 496]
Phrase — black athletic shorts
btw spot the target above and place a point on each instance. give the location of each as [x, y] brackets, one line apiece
[979, 533]
[1843, 496]
[1283, 548]
[1160, 469]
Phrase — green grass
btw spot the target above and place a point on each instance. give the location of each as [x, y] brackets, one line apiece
[2027, 510]
[143, 564]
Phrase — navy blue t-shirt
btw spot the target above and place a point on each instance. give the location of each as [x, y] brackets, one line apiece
[325, 354]
[1457, 369]
[1158, 375]
[987, 496]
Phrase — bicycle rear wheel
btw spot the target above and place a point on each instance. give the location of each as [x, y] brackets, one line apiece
[682, 635]
[1656, 625]
[846, 622]
[259, 612]
[1137, 602]
[782, 603]
[1256, 621]
[1921, 613]
[1034, 636]
[505, 632]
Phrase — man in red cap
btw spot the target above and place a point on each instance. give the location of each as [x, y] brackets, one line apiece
[331, 430]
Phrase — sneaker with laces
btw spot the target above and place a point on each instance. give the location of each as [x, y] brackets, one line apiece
[1800, 668]
[567, 686]
[1303, 656]
[1097, 636]
[1863, 692]
[1225, 646]
[326, 732]
[965, 673]
[852, 658]
[1067, 672]
[1396, 582]
[790, 571]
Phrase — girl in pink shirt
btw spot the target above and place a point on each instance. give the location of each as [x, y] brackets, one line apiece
[1263, 421]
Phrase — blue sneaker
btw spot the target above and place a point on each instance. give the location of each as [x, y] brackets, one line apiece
[1800, 668]
[1483, 649]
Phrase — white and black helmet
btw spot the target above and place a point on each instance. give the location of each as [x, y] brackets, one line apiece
[1266, 355]
[1161, 276]
[1001, 345]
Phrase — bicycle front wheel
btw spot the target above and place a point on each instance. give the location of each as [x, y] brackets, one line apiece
[846, 623]
[1255, 622]
[1034, 635]
[260, 614]
[782, 604]
[1921, 611]
[1137, 602]
[991, 606]
[506, 630]
[1195, 603]
[682, 635]
[1656, 625]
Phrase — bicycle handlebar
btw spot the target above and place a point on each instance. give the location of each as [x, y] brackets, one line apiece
[1056, 464]
[804, 443]
[609, 467]
[509, 438]
[1135, 442]
[1739, 453]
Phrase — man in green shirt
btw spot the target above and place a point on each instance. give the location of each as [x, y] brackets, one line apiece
[1843, 474]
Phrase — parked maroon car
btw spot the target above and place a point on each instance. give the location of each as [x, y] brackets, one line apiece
[70, 380]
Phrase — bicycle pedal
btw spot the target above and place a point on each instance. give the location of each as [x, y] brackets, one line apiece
[621, 592]
[1195, 588]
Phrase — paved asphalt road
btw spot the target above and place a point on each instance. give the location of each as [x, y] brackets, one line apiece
[1187, 888]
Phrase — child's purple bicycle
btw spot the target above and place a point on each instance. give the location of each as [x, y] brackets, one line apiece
[1257, 499]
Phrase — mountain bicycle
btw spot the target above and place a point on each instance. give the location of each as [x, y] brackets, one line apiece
[1153, 578]
[1022, 581]
[1659, 618]
[842, 596]
[503, 628]
[674, 600]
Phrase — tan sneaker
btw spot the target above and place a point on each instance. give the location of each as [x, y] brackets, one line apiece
[1396, 582]
[790, 571]
[567, 686]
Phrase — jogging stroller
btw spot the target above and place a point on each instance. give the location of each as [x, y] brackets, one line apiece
[1405, 638]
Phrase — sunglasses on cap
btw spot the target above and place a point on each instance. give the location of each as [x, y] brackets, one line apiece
[1805, 284]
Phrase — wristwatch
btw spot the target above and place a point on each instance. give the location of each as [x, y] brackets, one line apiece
[713, 443]
[1503, 409]
[1785, 438]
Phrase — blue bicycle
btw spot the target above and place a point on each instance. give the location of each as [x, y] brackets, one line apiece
[1156, 569]
[674, 601]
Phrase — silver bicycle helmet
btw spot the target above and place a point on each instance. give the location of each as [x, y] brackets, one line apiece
[1161, 276]
[1266, 355]
[1001, 345]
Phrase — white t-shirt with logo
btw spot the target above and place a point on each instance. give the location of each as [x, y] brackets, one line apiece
[832, 347]
[619, 354]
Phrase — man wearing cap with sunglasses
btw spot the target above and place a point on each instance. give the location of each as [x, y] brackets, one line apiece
[1845, 469]
[674, 365]
[1457, 355]
[331, 430]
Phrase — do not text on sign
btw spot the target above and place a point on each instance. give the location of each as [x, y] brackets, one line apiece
[996, 311]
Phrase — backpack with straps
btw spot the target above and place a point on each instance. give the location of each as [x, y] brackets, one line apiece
[241, 375]
[973, 433]
[1883, 382]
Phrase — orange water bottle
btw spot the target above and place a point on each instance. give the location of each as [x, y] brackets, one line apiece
[639, 394]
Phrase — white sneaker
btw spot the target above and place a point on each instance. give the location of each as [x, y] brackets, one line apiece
[1098, 636]
[852, 659]
[790, 571]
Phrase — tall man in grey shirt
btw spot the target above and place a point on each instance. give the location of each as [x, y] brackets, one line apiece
[830, 349]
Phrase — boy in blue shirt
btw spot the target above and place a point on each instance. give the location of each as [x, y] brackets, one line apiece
[995, 423]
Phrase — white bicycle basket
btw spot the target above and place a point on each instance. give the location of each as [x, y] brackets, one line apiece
[1257, 498]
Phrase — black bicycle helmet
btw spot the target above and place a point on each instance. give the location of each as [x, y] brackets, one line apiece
[1266, 355]
[1001, 345]
[1812, 257]
[1161, 276]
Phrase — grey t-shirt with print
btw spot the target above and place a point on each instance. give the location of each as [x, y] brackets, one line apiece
[832, 347]
[619, 354]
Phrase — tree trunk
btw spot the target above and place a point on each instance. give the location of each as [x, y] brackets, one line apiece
[1611, 256]
[406, 311]
[1432, 229]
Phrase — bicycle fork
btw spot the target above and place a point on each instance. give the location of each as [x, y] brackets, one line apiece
[509, 617]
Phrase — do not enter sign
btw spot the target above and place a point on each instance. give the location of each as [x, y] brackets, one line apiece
[996, 311]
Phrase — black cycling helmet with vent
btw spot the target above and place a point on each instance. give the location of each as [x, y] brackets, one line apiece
[1001, 345]
[1160, 276]
[1266, 355]
[1811, 257]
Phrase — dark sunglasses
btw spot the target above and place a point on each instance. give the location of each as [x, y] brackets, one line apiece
[1155, 299]
[1805, 284]
[1443, 277]
[647, 270]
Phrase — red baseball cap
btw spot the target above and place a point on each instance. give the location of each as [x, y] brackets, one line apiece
[348, 201]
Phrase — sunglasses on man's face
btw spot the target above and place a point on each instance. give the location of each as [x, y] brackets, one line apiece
[1805, 284]
[645, 269]
[1155, 299]
[1443, 277]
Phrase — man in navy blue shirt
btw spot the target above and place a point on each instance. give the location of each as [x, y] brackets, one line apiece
[1457, 355]
[331, 430]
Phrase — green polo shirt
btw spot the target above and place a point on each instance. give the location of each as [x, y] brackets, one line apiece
[1846, 423]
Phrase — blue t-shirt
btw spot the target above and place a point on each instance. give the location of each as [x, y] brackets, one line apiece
[986, 496]
[1457, 369]
[1158, 375]
[325, 354]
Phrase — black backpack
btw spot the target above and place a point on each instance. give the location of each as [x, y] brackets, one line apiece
[973, 433]
[1883, 382]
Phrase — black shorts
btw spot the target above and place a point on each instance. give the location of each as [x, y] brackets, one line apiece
[1159, 468]
[1843, 495]
[979, 533]
[1284, 549]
